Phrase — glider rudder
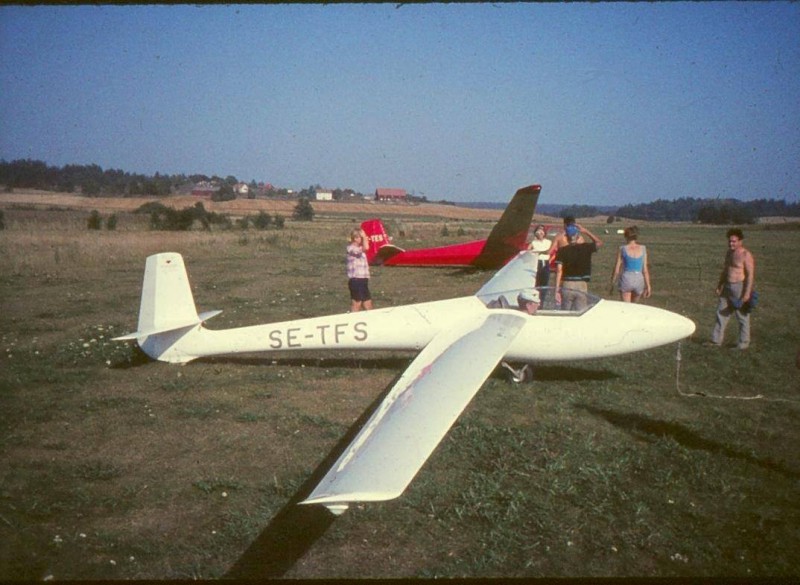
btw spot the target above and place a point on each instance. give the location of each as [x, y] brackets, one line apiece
[380, 248]
[509, 235]
[167, 305]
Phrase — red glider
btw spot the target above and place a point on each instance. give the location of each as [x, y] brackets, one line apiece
[508, 237]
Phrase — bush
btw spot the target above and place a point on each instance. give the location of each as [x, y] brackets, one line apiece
[95, 221]
[111, 222]
[262, 221]
[151, 207]
[279, 221]
[168, 219]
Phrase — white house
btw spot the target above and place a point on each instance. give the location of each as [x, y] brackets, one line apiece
[324, 195]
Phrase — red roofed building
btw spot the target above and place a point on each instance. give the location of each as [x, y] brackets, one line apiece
[384, 194]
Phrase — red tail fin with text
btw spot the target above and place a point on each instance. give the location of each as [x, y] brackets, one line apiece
[378, 240]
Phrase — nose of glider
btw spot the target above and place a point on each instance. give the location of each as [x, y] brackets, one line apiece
[665, 326]
[681, 326]
[632, 327]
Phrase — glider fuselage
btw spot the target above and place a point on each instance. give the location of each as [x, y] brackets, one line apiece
[606, 329]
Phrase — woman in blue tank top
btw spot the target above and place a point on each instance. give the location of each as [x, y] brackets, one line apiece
[631, 268]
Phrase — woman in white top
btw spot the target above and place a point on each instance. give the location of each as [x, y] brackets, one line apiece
[541, 245]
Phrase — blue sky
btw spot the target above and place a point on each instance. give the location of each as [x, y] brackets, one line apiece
[601, 103]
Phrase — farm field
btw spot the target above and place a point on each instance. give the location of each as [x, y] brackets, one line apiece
[33, 199]
[680, 461]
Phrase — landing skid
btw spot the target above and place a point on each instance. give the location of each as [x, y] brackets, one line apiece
[518, 375]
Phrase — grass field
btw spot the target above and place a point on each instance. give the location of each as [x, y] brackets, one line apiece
[115, 467]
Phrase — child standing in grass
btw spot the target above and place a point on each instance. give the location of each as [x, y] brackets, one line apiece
[358, 271]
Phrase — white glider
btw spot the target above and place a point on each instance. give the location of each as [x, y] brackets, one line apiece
[461, 341]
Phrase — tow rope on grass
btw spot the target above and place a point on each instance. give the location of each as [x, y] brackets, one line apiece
[707, 395]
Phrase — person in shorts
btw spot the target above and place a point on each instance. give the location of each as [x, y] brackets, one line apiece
[631, 270]
[358, 271]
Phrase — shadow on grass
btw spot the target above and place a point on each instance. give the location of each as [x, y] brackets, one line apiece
[136, 358]
[561, 374]
[554, 373]
[295, 528]
[644, 428]
[368, 363]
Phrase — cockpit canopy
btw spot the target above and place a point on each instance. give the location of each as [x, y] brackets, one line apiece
[514, 283]
[572, 302]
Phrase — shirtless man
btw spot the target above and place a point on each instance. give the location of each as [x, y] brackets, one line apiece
[735, 289]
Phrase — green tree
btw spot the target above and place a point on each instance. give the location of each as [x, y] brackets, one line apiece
[225, 193]
[303, 210]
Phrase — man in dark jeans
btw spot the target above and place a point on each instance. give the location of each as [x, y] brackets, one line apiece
[574, 268]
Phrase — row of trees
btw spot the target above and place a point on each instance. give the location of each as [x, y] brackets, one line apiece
[89, 179]
[713, 211]
[168, 219]
[710, 211]
[93, 180]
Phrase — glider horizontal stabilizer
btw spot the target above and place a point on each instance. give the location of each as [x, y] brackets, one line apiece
[385, 253]
[417, 413]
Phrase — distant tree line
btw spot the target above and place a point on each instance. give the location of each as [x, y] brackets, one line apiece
[712, 211]
[578, 211]
[89, 179]
[92, 180]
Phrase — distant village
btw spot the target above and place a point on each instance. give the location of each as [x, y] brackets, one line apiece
[217, 190]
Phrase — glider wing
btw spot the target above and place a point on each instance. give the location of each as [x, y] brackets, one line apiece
[417, 412]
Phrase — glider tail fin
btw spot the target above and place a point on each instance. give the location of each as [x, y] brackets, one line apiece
[378, 238]
[167, 310]
[510, 234]
[380, 247]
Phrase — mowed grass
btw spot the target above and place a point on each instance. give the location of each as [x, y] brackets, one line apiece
[115, 467]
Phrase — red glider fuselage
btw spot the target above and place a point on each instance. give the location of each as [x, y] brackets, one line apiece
[508, 237]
